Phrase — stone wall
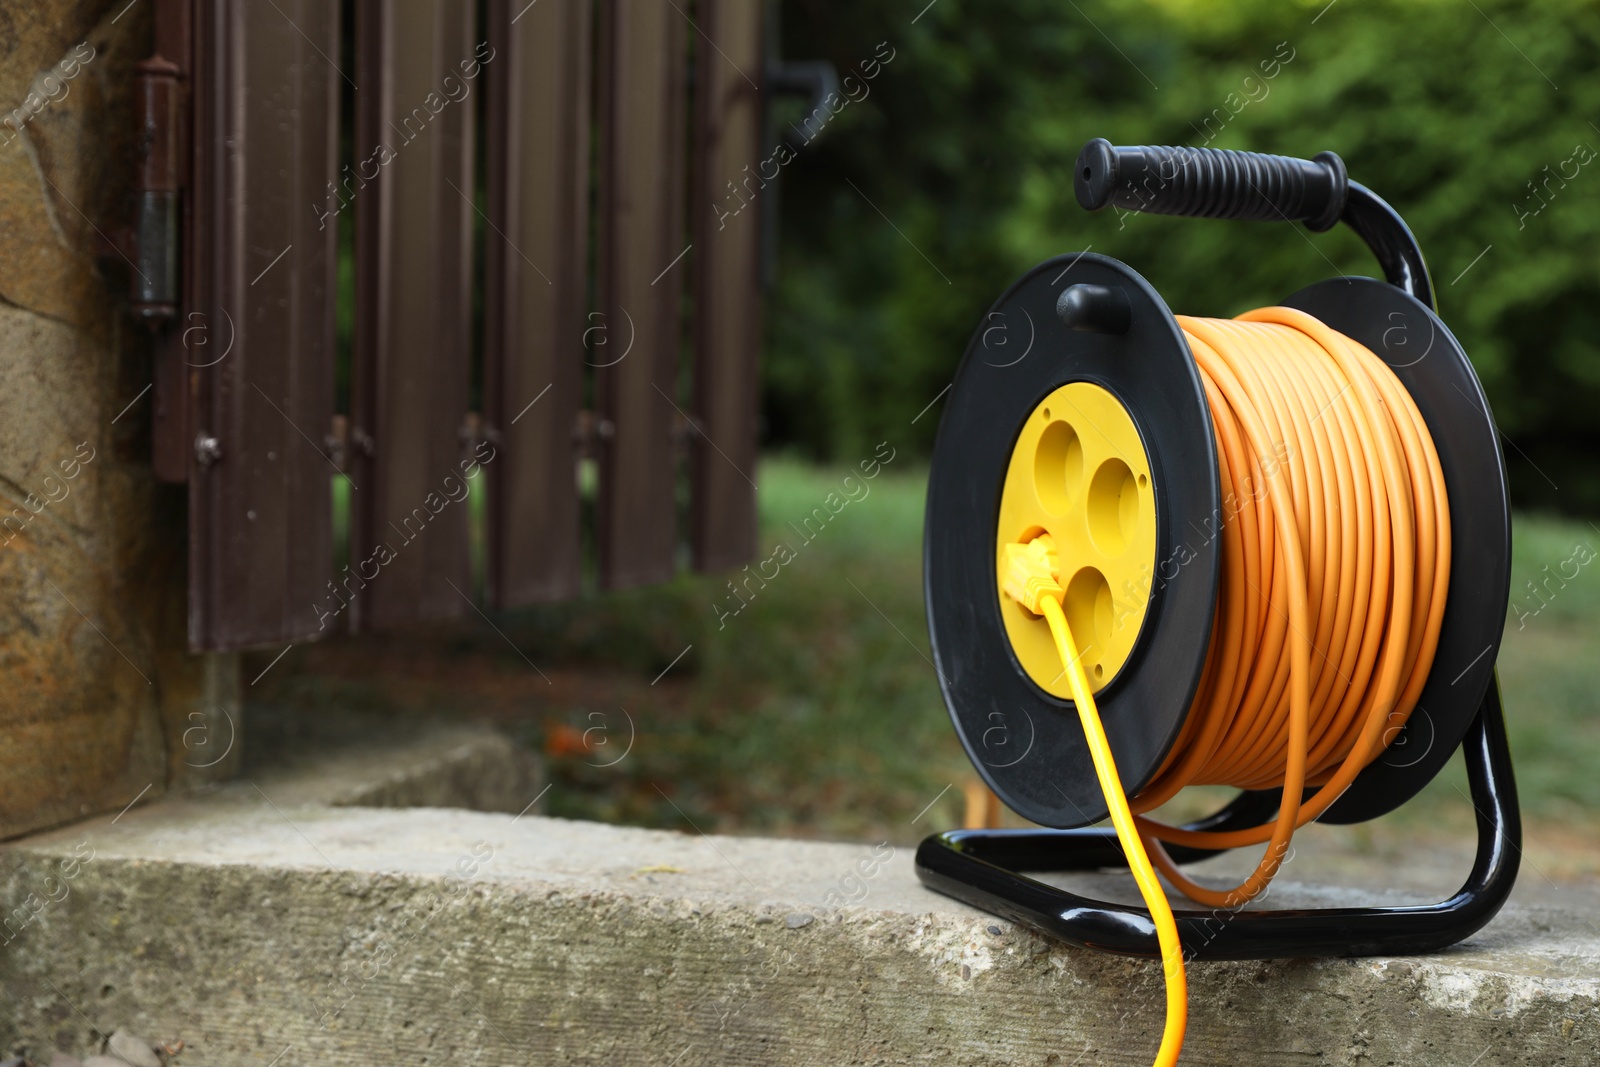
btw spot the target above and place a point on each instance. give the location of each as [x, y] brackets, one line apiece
[99, 701]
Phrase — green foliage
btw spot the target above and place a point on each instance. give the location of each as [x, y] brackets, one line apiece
[916, 206]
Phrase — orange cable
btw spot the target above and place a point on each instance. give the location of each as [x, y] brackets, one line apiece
[1335, 563]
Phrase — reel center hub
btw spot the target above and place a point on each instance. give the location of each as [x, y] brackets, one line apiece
[1079, 472]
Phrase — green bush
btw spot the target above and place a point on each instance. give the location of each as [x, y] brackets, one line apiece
[917, 205]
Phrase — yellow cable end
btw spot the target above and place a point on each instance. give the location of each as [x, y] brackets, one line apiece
[1155, 898]
[1030, 572]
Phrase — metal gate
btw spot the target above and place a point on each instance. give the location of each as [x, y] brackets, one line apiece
[541, 188]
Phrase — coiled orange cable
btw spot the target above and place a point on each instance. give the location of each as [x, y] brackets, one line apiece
[1336, 560]
[1335, 563]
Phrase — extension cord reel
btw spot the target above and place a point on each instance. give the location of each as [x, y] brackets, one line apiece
[1101, 435]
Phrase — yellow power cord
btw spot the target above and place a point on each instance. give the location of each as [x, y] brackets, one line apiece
[1155, 898]
[1030, 578]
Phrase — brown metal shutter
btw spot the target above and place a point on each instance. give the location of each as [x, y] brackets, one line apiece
[266, 113]
[420, 70]
[642, 269]
[731, 174]
[536, 260]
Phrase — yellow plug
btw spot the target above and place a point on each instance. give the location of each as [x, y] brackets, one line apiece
[1030, 573]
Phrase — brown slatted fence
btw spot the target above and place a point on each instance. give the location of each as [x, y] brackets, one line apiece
[641, 280]
[594, 305]
[732, 175]
[413, 346]
[536, 252]
[262, 285]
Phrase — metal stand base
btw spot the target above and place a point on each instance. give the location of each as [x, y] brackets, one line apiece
[980, 868]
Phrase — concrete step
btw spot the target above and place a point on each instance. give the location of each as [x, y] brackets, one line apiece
[267, 930]
[383, 761]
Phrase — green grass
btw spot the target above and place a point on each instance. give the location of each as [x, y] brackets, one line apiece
[1550, 666]
[813, 710]
[804, 703]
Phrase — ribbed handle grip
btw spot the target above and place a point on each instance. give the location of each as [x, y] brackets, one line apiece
[1212, 183]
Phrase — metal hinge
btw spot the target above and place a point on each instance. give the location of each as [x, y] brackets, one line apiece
[591, 432]
[157, 190]
[338, 443]
[686, 429]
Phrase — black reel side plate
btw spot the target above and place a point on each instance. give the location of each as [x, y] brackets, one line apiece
[1434, 368]
[1028, 745]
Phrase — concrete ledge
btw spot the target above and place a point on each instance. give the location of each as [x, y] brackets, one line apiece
[408, 767]
[363, 936]
[382, 762]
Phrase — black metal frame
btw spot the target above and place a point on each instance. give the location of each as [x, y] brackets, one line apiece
[981, 867]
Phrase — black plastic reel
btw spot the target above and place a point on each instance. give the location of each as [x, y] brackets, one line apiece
[1027, 744]
[1114, 330]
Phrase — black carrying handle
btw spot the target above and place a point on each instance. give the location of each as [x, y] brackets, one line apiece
[1212, 183]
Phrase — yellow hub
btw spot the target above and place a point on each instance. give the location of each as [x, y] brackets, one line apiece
[1079, 472]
